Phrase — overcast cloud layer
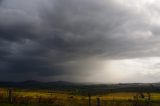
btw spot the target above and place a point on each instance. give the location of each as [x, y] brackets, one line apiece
[69, 39]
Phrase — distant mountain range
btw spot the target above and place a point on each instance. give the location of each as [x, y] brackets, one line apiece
[35, 84]
[63, 85]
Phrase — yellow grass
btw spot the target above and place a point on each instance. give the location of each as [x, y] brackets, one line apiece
[66, 95]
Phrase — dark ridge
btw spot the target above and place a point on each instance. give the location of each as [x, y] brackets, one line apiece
[83, 88]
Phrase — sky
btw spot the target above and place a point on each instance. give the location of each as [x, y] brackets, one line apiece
[102, 41]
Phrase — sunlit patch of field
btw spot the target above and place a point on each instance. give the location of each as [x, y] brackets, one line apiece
[42, 94]
[116, 96]
[155, 96]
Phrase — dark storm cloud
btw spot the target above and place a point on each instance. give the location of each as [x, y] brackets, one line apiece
[58, 37]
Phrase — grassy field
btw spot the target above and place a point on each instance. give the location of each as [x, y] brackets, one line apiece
[65, 98]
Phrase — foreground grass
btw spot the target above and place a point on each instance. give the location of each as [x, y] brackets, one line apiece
[65, 95]
[64, 98]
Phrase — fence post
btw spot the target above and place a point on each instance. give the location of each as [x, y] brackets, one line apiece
[10, 95]
[89, 99]
[39, 99]
[98, 101]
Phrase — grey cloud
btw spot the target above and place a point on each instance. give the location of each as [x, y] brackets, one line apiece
[43, 39]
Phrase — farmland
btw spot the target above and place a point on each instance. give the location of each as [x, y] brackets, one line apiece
[23, 97]
[32, 93]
